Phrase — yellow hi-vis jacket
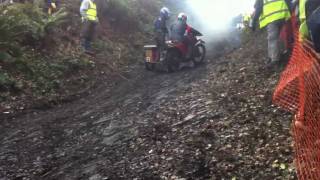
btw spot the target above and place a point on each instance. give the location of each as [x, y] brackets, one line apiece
[246, 18]
[304, 31]
[92, 12]
[273, 10]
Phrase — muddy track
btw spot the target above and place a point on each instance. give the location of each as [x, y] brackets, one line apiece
[215, 121]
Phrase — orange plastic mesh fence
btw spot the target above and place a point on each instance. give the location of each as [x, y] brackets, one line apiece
[299, 92]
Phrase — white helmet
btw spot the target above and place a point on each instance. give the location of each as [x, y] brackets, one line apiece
[182, 17]
[165, 12]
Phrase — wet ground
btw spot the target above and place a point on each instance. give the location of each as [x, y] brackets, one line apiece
[212, 122]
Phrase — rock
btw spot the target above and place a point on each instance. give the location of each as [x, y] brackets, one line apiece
[189, 117]
[96, 177]
[111, 139]
[102, 120]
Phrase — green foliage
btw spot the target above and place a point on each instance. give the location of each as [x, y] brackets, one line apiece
[5, 81]
[27, 33]
[12, 30]
[119, 6]
[130, 15]
[25, 28]
[4, 56]
[118, 11]
[20, 22]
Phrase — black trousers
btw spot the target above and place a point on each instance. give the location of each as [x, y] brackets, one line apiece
[88, 33]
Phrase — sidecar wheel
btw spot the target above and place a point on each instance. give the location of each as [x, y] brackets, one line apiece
[149, 66]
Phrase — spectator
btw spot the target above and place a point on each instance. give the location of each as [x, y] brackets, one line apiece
[272, 14]
[88, 11]
[313, 21]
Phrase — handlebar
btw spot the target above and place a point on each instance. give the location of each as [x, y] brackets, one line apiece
[196, 32]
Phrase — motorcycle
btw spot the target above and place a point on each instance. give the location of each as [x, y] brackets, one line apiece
[171, 57]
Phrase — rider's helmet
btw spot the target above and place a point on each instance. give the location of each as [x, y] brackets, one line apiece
[164, 12]
[183, 17]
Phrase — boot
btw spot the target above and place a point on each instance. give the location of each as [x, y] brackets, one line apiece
[272, 64]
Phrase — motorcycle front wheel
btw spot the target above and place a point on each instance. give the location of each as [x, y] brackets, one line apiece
[200, 54]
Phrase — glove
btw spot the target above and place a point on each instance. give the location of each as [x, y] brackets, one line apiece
[53, 5]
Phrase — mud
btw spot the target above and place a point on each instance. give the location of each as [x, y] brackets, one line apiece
[212, 122]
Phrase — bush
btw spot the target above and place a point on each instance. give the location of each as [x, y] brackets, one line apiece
[129, 15]
[6, 82]
[26, 24]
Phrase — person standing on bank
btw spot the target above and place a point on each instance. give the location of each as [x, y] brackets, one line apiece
[89, 17]
[272, 14]
[51, 6]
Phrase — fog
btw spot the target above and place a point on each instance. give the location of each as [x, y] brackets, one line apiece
[214, 19]
[216, 15]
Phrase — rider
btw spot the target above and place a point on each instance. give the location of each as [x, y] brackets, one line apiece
[182, 32]
[161, 30]
[160, 26]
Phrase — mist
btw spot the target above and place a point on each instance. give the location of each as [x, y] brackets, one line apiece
[216, 15]
[214, 18]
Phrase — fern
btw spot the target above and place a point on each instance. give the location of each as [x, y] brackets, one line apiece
[55, 20]
[19, 21]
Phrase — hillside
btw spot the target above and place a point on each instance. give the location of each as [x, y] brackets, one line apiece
[213, 122]
[41, 62]
[66, 115]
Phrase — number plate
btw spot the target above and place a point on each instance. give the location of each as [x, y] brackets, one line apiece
[149, 55]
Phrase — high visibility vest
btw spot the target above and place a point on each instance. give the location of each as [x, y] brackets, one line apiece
[273, 10]
[246, 18]
[302, 9]
[92, 12]
[304, 31]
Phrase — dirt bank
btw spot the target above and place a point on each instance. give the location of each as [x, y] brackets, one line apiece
[212, 122]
